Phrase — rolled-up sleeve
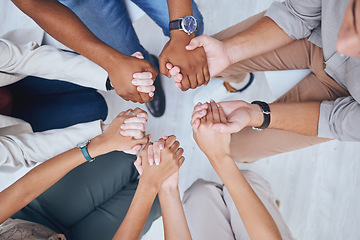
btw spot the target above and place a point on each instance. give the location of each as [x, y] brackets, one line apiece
[340, 119]
[297, 18]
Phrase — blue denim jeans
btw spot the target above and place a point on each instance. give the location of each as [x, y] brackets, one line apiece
[110, 21]
[51, 104]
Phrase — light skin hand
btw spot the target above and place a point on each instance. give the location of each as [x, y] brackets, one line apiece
[216, 55]
[171, 160]
[193, 65]
[143, 80]
[113, 140]
[213, 143]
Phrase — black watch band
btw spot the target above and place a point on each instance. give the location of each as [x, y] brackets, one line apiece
[108, 85]
[266, 111]
[175, 24]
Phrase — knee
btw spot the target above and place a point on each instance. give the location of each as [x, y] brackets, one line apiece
[200, 188]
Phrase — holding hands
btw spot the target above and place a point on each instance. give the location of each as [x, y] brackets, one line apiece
[133, 77]
[167, 156]
[125, 133]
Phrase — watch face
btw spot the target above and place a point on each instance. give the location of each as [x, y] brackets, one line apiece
[189, 24]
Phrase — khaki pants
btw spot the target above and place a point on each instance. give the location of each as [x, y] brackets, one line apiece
[249, 145]
[212, 215]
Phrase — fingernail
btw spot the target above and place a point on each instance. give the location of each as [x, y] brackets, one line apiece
[139, 88]
[151, 163]
[122, 126]
[122, 132]
[151, 94]
[212, 100]
[199, 103]
[135, 75]
[156, 163]
[134, 82]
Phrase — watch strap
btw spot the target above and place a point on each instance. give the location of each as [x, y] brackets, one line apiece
[266, 111]
[108, 85]
[86, 154]
[175, 24]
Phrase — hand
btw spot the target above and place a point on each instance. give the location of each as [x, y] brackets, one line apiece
[239, 114]
[214, 144]
[143, 80]
[193, 64]
[124, 70]
[171, 160]
[121, 136]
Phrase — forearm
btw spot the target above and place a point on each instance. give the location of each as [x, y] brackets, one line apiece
[135, 219]
[300, 118]
[179, 9]
[257, 220]
[175, 225]
[60, 22]
[262, 37]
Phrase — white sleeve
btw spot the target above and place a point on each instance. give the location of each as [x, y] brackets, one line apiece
[51, 63]
[31, 148]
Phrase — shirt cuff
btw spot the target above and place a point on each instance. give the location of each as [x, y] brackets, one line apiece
[324, 130]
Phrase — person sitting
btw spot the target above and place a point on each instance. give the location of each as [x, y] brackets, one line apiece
[82, 193]
[291, 35]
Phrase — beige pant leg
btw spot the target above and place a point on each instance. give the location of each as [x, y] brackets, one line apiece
[206, 213]
[249, 145]
[264, 192]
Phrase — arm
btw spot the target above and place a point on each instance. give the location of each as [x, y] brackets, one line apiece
[60, 22]
[30, 186]
[216, 146]
[302, 118]
[152, 178]
[175, 225]
[193, 64]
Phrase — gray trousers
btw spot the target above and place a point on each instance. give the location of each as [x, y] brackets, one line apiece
[212, 215]
[91, 201]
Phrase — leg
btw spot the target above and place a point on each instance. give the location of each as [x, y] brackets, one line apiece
[98, 194]
[49, 104]
[158, 11]
[206, 212]
[263, 191]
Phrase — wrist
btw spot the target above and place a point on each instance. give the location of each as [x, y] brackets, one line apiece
[150, 182]
[181, 37]
[168, 190]
[219, 162]
[95, 147]
[234, 50]
[256, 116]
[113, 56]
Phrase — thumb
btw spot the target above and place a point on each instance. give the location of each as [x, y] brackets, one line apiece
[138, 55]
[196, 42]
[225, 127]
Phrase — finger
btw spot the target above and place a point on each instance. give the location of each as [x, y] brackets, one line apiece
[138, 55]
[175, 70]
[209, 115]
[200, 78]
[169, 66]
[178, 77]
[145, 97]
[185, 83]
[181, 161]
[225, 127]
[134, 150]
[179, 152]
[136, 119]
[207, 76]
[193, 81]
[162, 67]
[198, 115]
[169, 142]
[215, 111]
[138, 165]
[151, 154]
[200, 106]
[162, 143]
[195, 125]
[178, 85]
[133, 126]
[142, 82]
[144, 152]
[146, 89]
[143, 75]
[175, 146]
[222, 114]
[195, 43]
[137, 134]
[156, 147]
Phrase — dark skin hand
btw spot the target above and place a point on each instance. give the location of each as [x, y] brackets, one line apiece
[122, 76]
